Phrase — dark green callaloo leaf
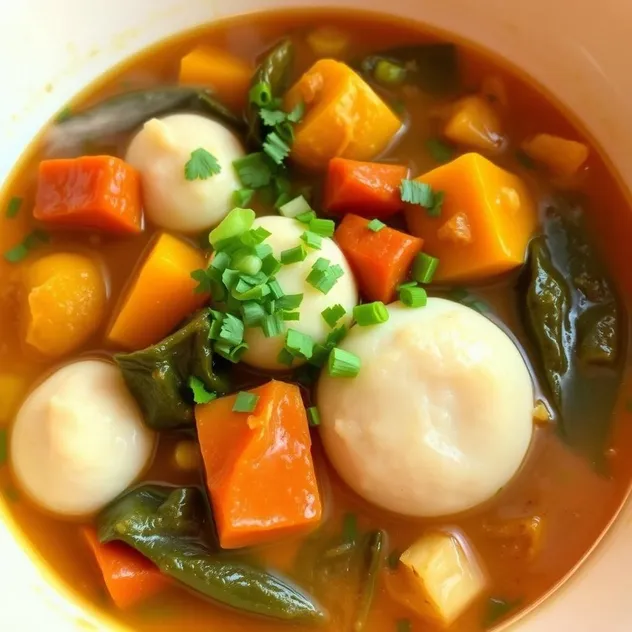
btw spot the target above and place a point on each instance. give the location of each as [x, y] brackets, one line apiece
[598, 335]
[125, 112]
[158, 376]
[432, 67]
[276, 68]
[167, 526]
[374, 561]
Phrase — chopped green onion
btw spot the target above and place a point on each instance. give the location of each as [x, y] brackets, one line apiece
[232, 331]
[333, 314]
[282, 200]
[30, 242]
[289, 316]
[389, 73]
[237, 222]
[230, 278]
[255, 236]
[203, 280]
[262, 250]
[293, 255]
[350, 531]
[290, 301]
[295, 207]
[16, 254]
[286, 131]
[375, 225]
[243, 291]
[401, 286]
[297, 113]
[321, 264]
[440, 151]
[246, 262]
[424, 268]
[324, 279]
[306, 217]
[437, 205]
[270, 265]
[322, 227]
[243, 197]
[312, 240]
[313, 416]
[200, 394]
[319, 356]
[253, 171]
[272, 325]
[420, 193]
[13, 207]
[261, 94]
[232, 354]
[370, 314]
[336, 336]
[299, 344]
[275, 288]
[253, 313]
[343, 363]
[285, 357]
[245, 402]
[413, 296]
[276, 148]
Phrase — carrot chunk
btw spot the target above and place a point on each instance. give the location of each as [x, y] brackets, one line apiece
[226, 74]
[162, 289]
[129, 577]
[98, 192]
[368, 189]
[259, 468]
[379, 260]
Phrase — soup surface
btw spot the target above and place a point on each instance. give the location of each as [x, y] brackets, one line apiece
[470, 441]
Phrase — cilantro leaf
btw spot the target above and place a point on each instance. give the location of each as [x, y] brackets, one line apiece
[200, 394]
[297, 113]
[201, 166]
[272, 117]
[253, 171]
[204, 281]
[276, 148]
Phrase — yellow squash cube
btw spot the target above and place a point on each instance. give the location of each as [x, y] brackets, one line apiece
[562, 156]
[344, 117]
[487, 219]
[474, 123]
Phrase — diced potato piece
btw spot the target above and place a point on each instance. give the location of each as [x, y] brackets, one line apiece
[161, 295]
[522, 535]
[437, 579]
[64, 303]
[495, 219]
[474, 123]
[12, 388]
[563, 157]
[344, 116]
[226, 74]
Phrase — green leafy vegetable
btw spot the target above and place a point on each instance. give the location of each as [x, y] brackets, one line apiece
[276, 148]
[413, 296]
[158, 377]
[253, 170]
[370, 314]
[420, 193]
[168, 527]
[313, 416]
[333, 314]
[200, 394]
[13, 207]
[245, 402]
[201, 166]
[376, 225]
[343, 363]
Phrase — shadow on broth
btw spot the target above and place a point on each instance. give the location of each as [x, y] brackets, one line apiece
[323, 332]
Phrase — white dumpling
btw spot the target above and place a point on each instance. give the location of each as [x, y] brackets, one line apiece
[439, 418]
[286, 233]
[79, 439]
[160, 151]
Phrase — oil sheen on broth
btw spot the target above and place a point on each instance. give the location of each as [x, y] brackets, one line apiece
[556, 318]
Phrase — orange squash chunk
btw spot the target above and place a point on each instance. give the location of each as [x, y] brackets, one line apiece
[486, 222]
[161, 295]
[259, 468]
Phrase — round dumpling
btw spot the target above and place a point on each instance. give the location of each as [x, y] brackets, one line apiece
[161, 150]
[285, 234]
[79, 439]
[439, 417]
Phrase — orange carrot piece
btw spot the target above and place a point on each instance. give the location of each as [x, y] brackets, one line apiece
[380, 260]
[129, 577]
[160, 296]
[368, 189]
[98, 192]
[259, 468]
[227, 75]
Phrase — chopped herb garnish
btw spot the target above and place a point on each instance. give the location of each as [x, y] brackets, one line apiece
[261, 94]
[420, 193]
[375, 225]
[272, 325]
[413, 296]
[200, 394]
[253, 313]
[424, 268]
[253, 171]
[243, 197]
[312, 240]
[343, 363]
[16, 254]
[295, 207]
[324, 276]
[440, 151]
[306, 217]
[333, 314]
[31, 241]
[370, 314]
[13, 207]
[300, 345]
[232, 331]
[290, 316]
[297, 113]
[401, 286]
[293, 255]
[201, 166]
[234, 225]
[389, 73]
[272, 117]
[203, 280]
[322, 227]
[245, 402]
[285, 357]
[276, 148]
[336, 336]
[313, 416]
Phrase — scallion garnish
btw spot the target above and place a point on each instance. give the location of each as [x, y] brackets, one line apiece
[413, 296]
[253, 313]
[243, 197]
[295, 207]
[375, 225]
[276, 148]
[246, 262]
[237, 222]
[253, 171]
[370, 314]
[333, 314]
[313, 416]
[424, 268]
[275, 288]
[300, 345]
[232, 331]
[13, 207]
[245, 402]
[270, 265]
[343, 363]
[312, 240]
[290, 316]
[30, 242]
[285, 357]
[261, 94]
[293, 255]
[324, 276]
[290, 301]
[322, 227]
[420, 193]
[272, 325]
[306, 217]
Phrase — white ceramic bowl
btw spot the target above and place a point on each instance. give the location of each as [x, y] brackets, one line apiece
[578, 51]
